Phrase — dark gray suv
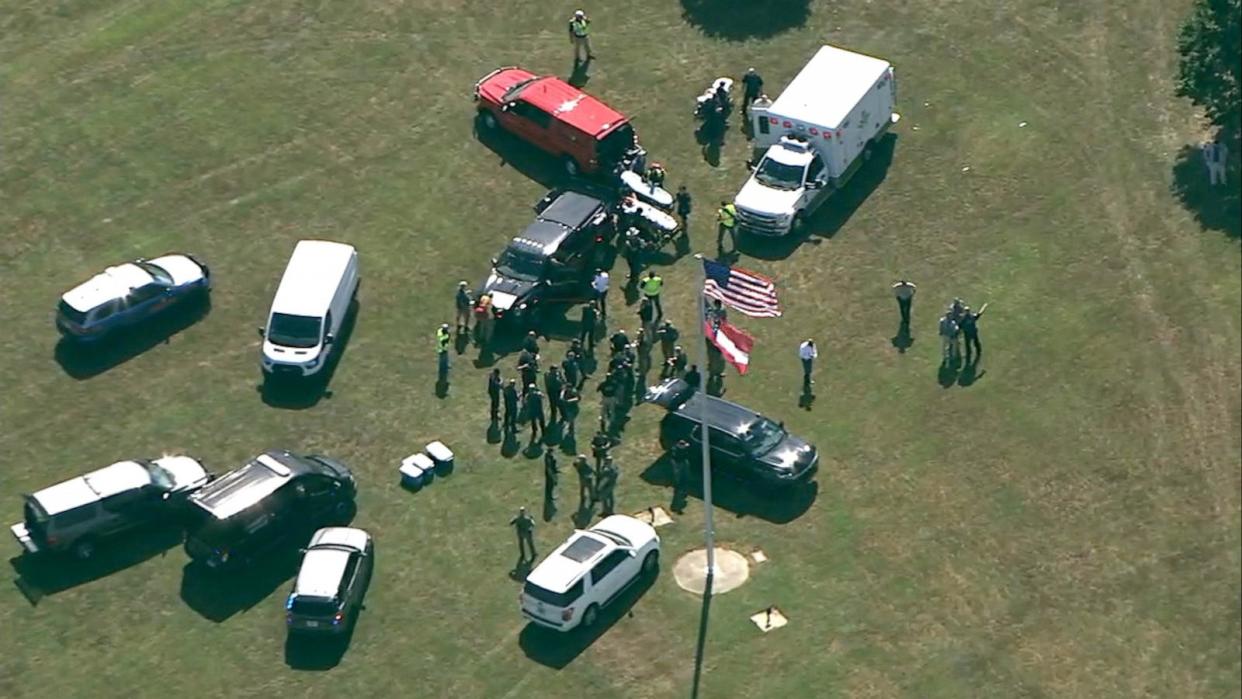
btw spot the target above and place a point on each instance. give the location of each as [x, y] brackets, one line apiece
[744, 445]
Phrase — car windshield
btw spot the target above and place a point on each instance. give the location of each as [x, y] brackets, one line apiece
[556, 599]
[779, 175]
[313, 606]
[763, 436]
[520, 265]
[160, 476]
[158, 273]
[516, 89]
[294, 331]
[71, 314]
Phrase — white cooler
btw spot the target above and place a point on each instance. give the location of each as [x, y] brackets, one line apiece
[417, 470]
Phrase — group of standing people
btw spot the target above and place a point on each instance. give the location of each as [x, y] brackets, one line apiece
[557, 405]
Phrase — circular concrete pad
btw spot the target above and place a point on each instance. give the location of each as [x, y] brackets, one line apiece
[732, 570]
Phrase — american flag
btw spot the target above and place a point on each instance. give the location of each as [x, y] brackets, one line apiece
[748, 292]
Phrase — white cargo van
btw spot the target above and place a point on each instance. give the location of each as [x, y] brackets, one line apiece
[311, 304]
[808, 142]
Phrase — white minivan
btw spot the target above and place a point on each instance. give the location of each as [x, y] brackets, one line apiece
[311, 304]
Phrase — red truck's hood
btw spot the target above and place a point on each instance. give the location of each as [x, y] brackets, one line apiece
[492, 86]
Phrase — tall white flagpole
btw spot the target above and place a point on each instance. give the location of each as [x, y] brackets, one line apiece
[710, 534]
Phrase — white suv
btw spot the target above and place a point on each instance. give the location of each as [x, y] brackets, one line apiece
[588, 571]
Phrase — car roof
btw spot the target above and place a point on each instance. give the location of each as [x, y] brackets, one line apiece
[303, 290]
[112, 283]
[721, 414]
[829, 86]
[93, 486]
[572, 106]
[573, 209]
[558, 572]
[541, 237]
[243, 487]
[321, 571]
[341, 536]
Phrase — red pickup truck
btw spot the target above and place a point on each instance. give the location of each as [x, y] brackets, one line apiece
[558, 118]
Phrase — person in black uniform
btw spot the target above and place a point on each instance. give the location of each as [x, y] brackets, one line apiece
[969, 325]
[511, 407]
[552, 384]
[680, 458]
[752, 84]
[601, 444]
[534, 411]
[590, 320]
[494, 386]
[525, 526]
[693, 377]
[551, 476]
[528, 369]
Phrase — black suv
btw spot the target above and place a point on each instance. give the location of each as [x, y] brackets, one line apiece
[277, 497]
[744, 444]
[554, 259]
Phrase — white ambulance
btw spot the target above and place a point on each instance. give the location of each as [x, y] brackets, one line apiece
[813, 137]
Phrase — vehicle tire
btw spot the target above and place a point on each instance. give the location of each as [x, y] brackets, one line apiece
[343, 511]
[799, 223]
[487, 120]
[83, 549]
[589, 617]
[571, 166]
[651, 564]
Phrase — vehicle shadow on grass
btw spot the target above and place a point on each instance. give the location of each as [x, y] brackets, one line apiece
[39, 576]
[834, 213]
[299, 394]
[85, 361]
[556, 649]
[737, 20]
[776, 506]
[521, 156]
[216, 596]
[1217, 208]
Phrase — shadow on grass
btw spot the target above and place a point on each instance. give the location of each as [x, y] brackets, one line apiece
[1217, 208]
[521, 156]
[834, 213]
[557, 649]
[295, 393]
[742, 499]
[42, 576]
[315, 653]
[84, 361]
[216, 596]
[737, 20]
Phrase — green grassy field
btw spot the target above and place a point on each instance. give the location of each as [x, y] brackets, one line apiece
[1067, 524]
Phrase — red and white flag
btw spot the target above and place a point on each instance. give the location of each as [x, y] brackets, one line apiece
[733, 343]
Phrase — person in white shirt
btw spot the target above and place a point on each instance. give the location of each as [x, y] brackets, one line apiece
[948, 337]
[904, 291]
[807, 353]
[1214, 157]
[600, 286]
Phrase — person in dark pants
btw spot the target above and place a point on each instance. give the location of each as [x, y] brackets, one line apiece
[752, 84]
[601, 444]
[607, 486]
[494, 386]
[646, 314]
[569, 406]
[608, 391]
[683, 203]
[551, 475]
[969, 325]
[668, 339]
[807, 353]
[534, 411]
[552, 384]
[511, 407]
[571, 368]
[618, 342]
[633, 254]
[586, 486]
[528, 369]
[531, 343]
[904, 291]
[675, 365]
[680, 458]
[693, 378]
[590, 321]
[525, 526]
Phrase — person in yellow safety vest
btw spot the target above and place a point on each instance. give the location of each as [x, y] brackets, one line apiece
[726, 222]
[651, 287]
[580, 37]
[443, 339]
[655, 175]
